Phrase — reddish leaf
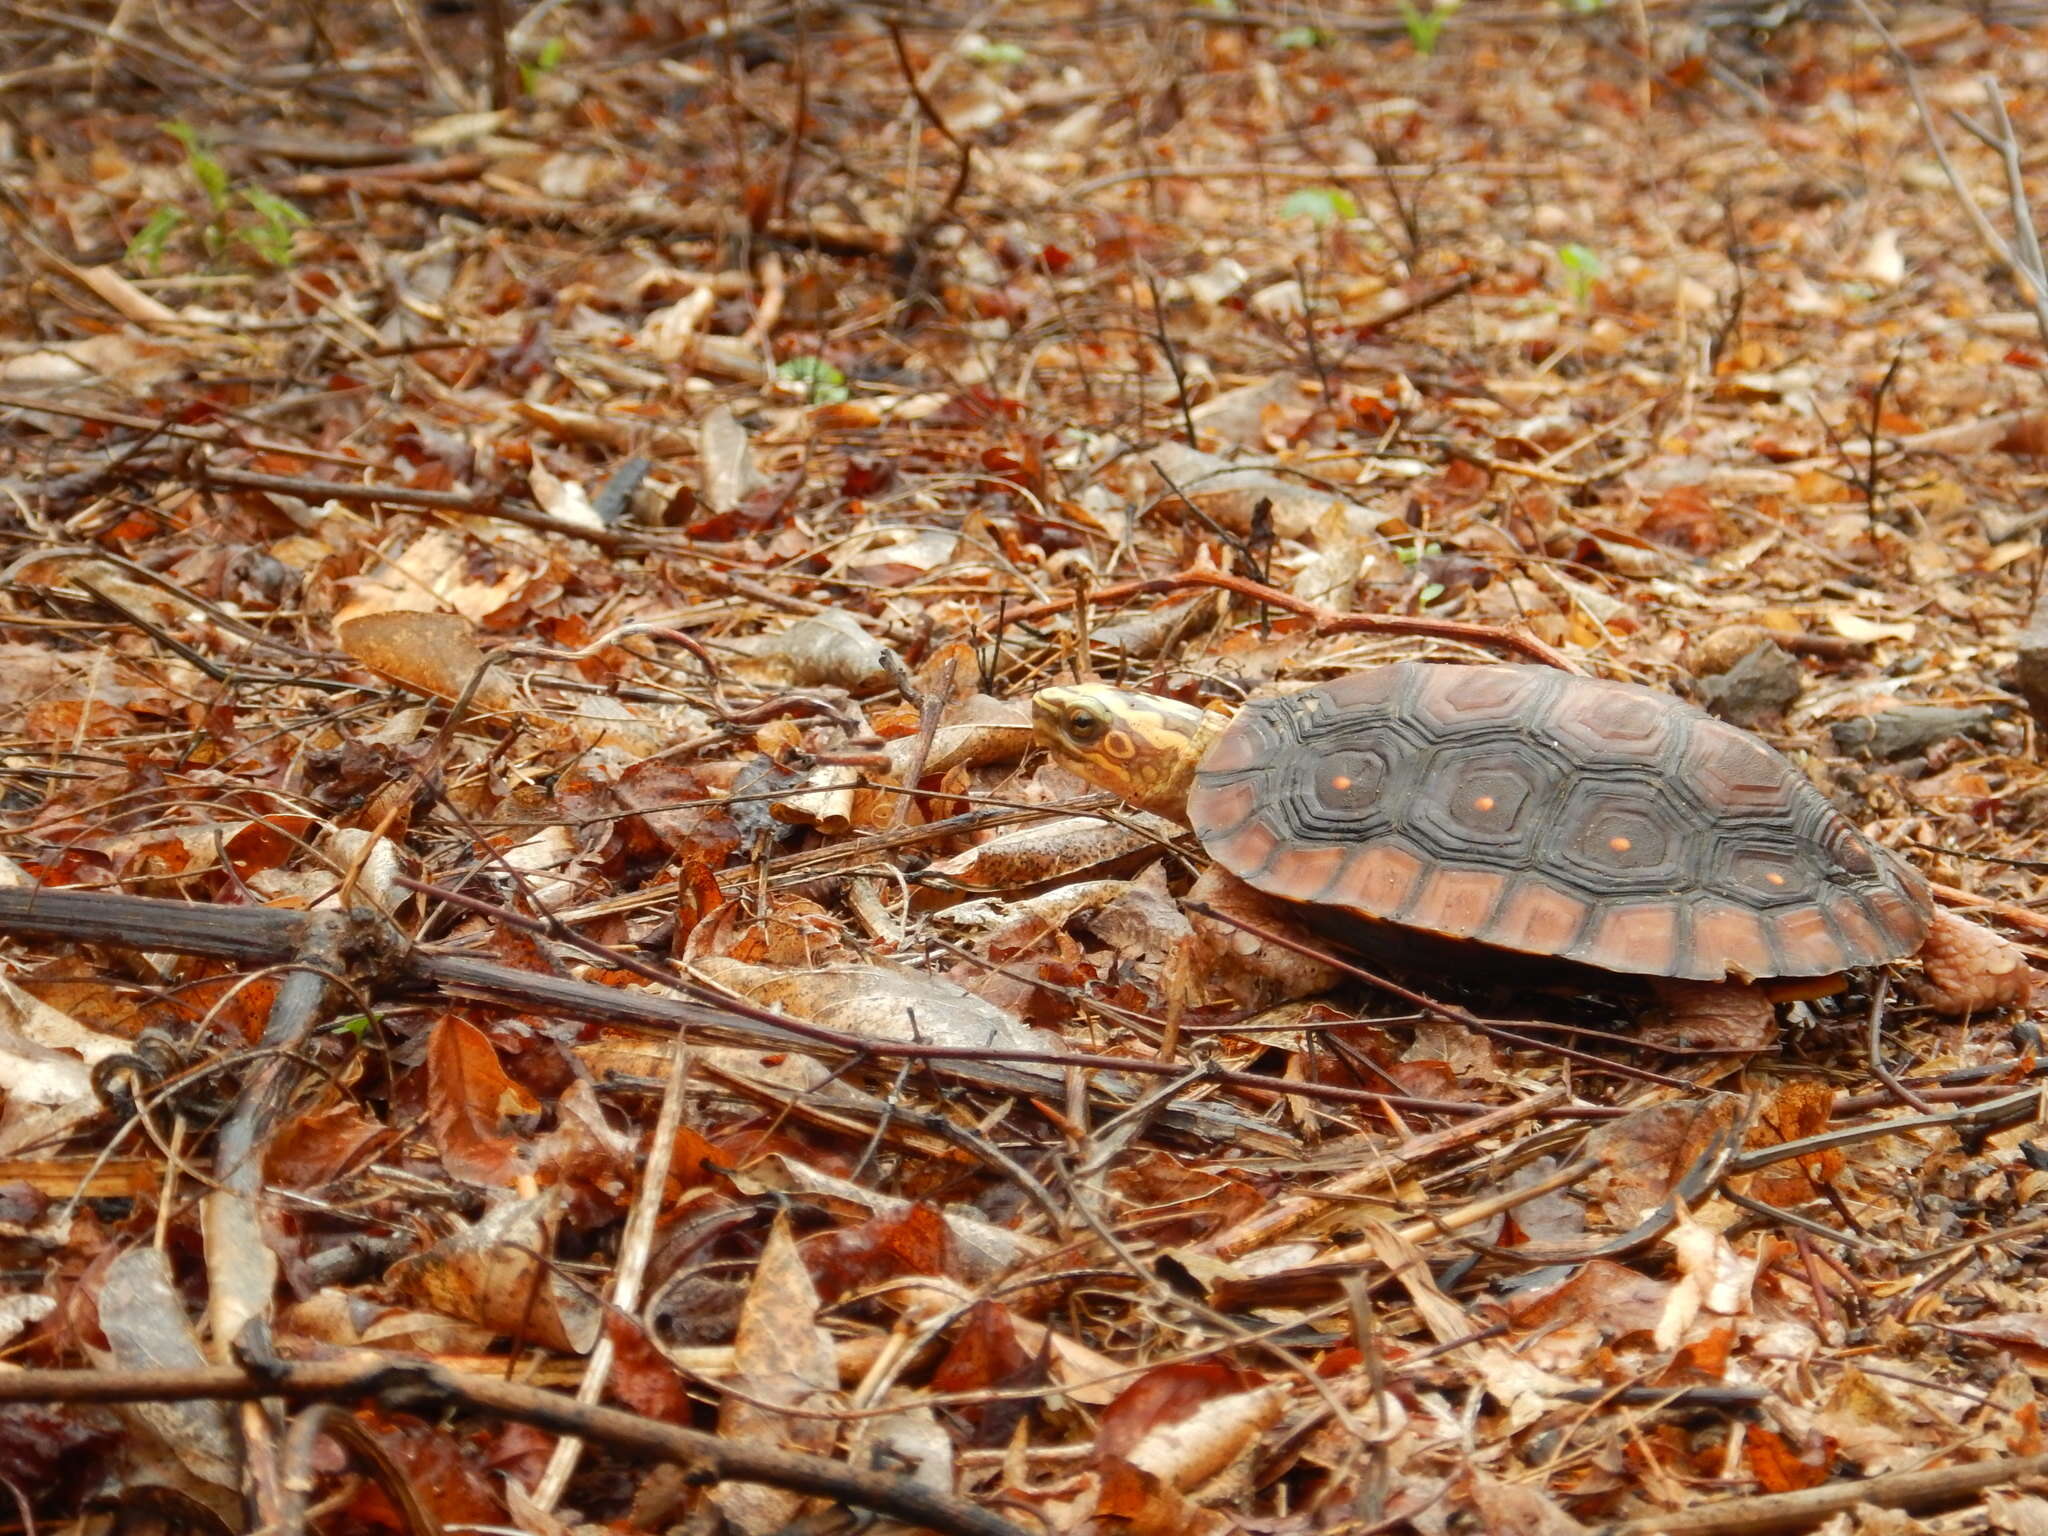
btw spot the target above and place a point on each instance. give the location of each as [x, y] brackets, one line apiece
[1777, 1467]
[1683, 519]
[694, 1162]
[469, 1098]
[984, 1353]
[698, 897]
[443, 1477]
[986, 1357]
[314, 1149]
[1702, 1360]
[642, 1379]
[914, 1241]
[1166, 1394]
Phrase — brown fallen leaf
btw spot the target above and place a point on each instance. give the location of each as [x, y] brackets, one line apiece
[1053, 850]
[500, 1273]
[435, 654]
[781, 1359]
[469, 1099]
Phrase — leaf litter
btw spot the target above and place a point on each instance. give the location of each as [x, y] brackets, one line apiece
[531, 528]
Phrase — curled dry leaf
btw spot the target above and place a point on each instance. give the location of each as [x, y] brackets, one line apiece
[826, 649]
[501, 1274]
[1194, 1425]
[983, 1250]
[1517, 1509]
[147, 1329]
[1243, 965]
[435, 654]
[1005, 927]
[563, 500]
[440, 571]
[350, 1321]
[824, 799]
[1329, 579]
[1053, 850]
[46, 1061]
[976, 731]
[881, 1003]
[728, 460]
[1798, 1109]
[469, 1099]
[1647, 1153]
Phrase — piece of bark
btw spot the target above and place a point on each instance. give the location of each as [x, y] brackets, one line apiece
[1757, 687]
[2033, 663]
[1905, 729]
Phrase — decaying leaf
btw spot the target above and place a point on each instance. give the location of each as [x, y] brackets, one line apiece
[881, 1003]
[431, 653]
[500, 1273]
[782, 1359]
[469, 1100]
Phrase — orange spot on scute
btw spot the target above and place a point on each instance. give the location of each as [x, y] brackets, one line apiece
[1341, 782]
[1620, 844]
[1775, 878]
[1483, 803]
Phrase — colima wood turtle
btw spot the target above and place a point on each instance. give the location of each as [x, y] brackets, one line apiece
[1533, 811]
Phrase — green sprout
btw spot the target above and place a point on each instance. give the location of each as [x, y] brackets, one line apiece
[1319, 205]
[1581, 270]
[271, 236]
[1298, 38]
[1424, 26]
[146, 249]
[548, 59]
[268, 234]
[996, 55]
[827, 385]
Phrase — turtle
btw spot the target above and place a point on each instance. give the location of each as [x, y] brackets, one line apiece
[1536, 812]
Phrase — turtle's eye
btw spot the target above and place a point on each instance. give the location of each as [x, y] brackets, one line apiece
[1084, 725]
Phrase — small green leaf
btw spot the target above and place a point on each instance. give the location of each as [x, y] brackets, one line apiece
[1423, 26]
[548, 59]
[827, 383]
[1320, 205]
[211, 175]
[146, 249]
[358, 1026]
[272, 237]
[1302, 37]
[997, 55]
[1429, 594]
[1582, 270]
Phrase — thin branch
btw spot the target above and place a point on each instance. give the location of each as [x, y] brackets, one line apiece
[415, 1384]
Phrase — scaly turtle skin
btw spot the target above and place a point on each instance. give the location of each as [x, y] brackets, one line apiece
[1532, 811]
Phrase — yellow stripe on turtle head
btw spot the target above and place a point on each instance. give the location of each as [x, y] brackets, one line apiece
[1137, 745]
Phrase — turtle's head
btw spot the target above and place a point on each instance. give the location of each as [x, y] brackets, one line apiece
[1136, 745]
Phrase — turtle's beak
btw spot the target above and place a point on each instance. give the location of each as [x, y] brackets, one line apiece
[1048, 712]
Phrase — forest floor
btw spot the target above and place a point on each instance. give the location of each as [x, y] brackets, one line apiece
[589, 491]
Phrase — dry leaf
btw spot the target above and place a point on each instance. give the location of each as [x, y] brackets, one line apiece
[781, 1358]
